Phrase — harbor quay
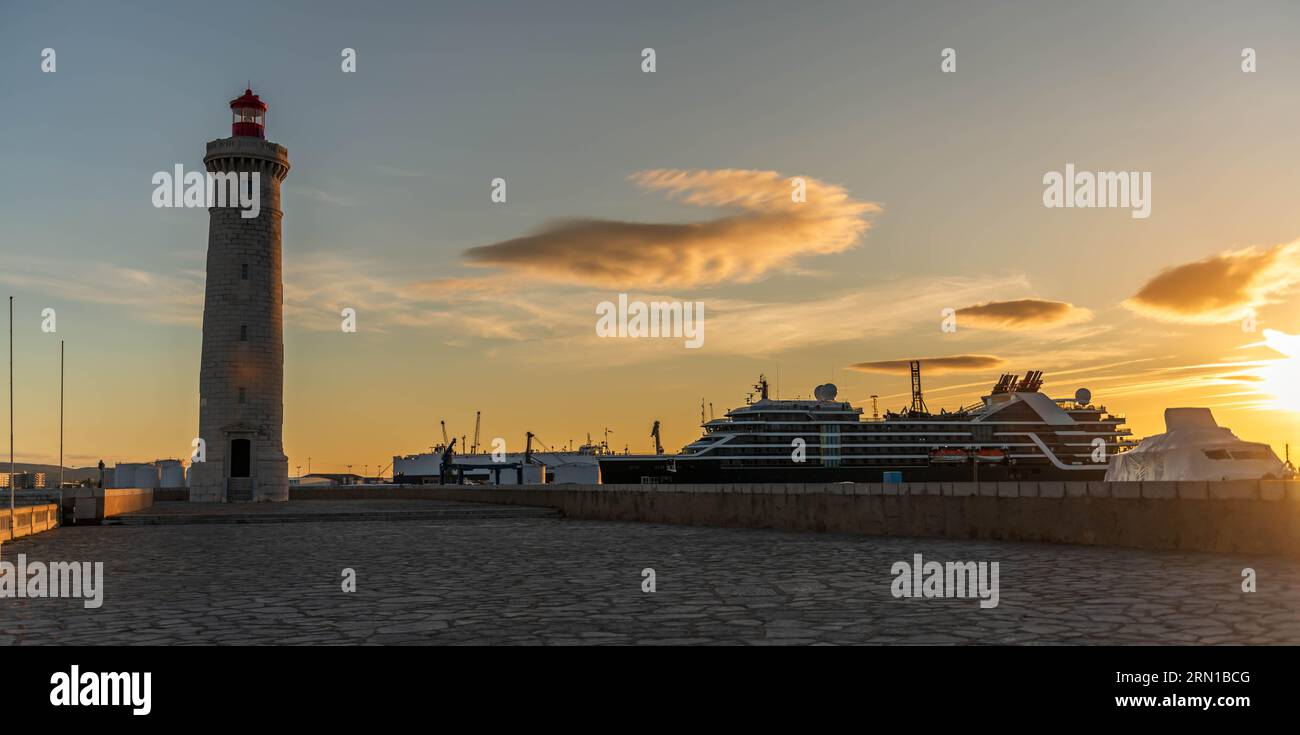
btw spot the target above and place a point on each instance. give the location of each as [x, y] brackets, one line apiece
[438, 572]
[1254, 516]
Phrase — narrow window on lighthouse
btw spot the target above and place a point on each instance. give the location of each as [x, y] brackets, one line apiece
[243, 332]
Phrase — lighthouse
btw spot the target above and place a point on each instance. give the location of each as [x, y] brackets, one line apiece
[241, 375]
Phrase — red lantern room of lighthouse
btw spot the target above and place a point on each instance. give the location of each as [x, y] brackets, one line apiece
[249, 115]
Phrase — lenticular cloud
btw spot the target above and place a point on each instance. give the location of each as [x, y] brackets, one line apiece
[1221, 288]
[764, 230]
[1022, 314]
[932, 365]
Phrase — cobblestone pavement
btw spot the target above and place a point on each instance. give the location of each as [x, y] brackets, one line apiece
[558, 581]
[324, 510]
[297, 507]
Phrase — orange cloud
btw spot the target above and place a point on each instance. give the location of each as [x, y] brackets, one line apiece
[932, 365]
[454, 289]
[766, 230]
[1021, 314]
[1222, 288]
[174, 298]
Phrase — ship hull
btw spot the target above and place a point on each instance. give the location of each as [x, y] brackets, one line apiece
[635, 471]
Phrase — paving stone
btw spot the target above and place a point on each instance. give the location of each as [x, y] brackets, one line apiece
[555, 581]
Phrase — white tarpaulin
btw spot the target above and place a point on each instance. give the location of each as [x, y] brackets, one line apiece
[1194, 447]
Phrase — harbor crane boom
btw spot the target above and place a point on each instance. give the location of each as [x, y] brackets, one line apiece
[474, 447]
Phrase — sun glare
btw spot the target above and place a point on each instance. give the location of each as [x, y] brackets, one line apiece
[1281, 378]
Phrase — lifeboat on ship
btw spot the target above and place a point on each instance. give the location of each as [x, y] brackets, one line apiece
[948, 455]
[990, 454]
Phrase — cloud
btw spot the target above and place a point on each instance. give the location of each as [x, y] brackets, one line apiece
[458, 289]
[1243, 378]
[318, 287]
[1021, 314]
[1287, 344]
[741, 327]
[887, 307]
[1226, 287]
[765, 231]
[163, 298]
[933, 365]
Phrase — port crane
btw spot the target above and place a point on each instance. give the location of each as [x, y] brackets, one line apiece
[447, 453]
[474, 447]
[451, 470]
[654, 432]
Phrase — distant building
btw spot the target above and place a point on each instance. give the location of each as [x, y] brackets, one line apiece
[539, 467]
[329, 478]
[23, 480]
[162, 473]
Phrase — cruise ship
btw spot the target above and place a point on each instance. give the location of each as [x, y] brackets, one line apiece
[1015, 433]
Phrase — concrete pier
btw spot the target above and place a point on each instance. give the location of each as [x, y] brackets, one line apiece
[28, 520]
[1237, 516]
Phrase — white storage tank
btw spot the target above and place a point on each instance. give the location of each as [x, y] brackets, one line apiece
[124, 474]
[146, 475]
[172, 473]
[577, 474]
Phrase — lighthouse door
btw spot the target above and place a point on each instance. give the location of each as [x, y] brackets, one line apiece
[240, 451]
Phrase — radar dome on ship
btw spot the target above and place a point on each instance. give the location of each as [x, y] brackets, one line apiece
[825, 392]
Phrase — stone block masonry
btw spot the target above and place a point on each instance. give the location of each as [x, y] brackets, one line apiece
[1241, 517]
[241, 374]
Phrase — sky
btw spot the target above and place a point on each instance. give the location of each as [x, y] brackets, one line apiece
[924, 193]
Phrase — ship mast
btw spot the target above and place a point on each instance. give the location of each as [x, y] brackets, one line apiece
[918, 399]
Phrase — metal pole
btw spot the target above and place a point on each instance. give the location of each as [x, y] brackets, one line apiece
[60, 419]
[13, 514]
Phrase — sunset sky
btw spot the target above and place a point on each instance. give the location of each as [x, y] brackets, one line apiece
[925, 193]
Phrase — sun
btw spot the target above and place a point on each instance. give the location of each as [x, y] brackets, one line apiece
[1280, 379]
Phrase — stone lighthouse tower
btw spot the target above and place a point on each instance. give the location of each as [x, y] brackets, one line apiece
[241, 377]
